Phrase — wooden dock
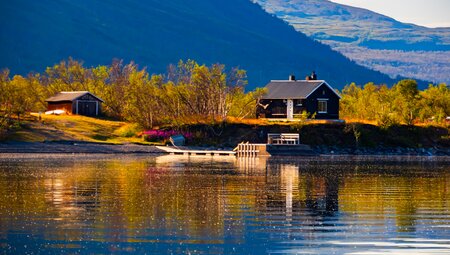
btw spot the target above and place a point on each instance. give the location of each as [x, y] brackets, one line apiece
[194, 152]
[251, 150]
[244, 150]
[267, 150]
[283, 144]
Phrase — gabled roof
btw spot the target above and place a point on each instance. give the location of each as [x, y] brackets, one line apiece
[299, 89]
[70, 96]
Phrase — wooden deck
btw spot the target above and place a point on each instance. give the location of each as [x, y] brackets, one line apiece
[251, 150]
[267, 150]
[244, 150]
[195, 152]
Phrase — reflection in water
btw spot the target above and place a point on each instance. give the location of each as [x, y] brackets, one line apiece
[289, 179]
[322, 193]
[204, 205]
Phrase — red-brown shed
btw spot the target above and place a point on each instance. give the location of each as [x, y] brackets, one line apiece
[76, 102]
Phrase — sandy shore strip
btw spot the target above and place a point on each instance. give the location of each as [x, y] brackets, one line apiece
[77, 147]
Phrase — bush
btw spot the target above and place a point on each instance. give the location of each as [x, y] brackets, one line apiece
[128, 130]
[163, 135]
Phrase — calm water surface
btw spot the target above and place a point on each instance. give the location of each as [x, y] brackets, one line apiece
[163, 205]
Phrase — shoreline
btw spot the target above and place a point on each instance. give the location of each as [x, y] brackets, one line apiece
[79, 147]
[76, 148]
[383, 151]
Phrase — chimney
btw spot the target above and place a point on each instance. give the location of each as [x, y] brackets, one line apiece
[291, 77]
[311, 77]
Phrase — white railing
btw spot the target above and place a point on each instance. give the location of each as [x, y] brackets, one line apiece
[247, 150]
[283, 138]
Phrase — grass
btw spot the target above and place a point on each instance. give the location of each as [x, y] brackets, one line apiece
[230, 133]
[75, 128]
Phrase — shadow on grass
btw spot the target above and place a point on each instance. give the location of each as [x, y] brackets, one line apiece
[100, 137]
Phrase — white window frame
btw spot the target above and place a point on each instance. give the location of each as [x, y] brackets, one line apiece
[322, 100]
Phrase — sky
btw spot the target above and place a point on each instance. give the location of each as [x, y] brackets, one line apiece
[429, 13]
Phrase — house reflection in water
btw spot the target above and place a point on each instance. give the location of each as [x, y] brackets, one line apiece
[301, 194]
[289, 184]
[322, 194]
[142, 201]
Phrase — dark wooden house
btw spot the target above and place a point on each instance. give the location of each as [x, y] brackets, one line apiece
[76, 102]
[288, 99]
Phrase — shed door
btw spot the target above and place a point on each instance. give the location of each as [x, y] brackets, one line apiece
[87, 108]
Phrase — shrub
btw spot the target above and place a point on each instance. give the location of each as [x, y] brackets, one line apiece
[163, 135]
[128, 130]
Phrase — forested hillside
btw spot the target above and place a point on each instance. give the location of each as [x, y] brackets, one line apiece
[193, 93]
[155, 33]
[369, 38]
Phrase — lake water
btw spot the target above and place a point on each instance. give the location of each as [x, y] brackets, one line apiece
[163, 205]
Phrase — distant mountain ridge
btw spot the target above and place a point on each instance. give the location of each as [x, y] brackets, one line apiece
[326, 20]
[371, 39]
[155, 33]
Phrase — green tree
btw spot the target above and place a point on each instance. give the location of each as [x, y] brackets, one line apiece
[405, 101]
[142, 99]
[348, 103]
[5, 101]
[435, 103]
[117, 83]
[207, 93]
[243, 105]
[385, 115]
[68, 75]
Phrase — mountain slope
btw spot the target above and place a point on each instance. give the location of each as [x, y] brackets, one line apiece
[369, 38]
[155, 33]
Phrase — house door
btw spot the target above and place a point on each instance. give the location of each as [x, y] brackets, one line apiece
[290, 109]
[87, 108]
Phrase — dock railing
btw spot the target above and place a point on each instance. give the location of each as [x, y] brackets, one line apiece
[247, 150]
[283, 138]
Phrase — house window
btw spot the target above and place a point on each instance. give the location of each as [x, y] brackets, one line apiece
[322, 106]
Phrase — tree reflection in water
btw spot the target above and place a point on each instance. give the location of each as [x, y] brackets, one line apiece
[179, 204]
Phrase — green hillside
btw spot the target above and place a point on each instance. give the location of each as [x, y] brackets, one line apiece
[156, 33]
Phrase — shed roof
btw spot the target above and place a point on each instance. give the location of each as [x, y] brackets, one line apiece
[70, 96]
[298, 89]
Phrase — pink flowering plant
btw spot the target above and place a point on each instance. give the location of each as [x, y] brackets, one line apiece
[164, 135]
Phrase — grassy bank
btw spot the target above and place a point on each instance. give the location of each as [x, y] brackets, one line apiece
[340, 135]
[335, 135]
[58, 128]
